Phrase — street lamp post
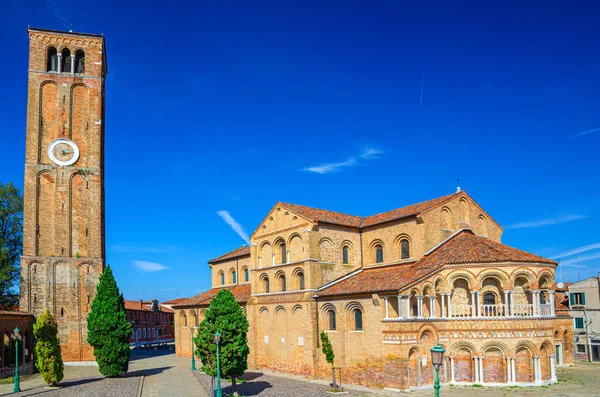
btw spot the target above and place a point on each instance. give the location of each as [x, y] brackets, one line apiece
[17, 385]
[193, 359]
[218, 391]
[437, 357]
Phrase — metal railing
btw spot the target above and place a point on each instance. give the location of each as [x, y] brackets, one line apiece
[24, 369]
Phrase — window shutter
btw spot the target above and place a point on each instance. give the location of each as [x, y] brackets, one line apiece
[572, 299]
[583, 298]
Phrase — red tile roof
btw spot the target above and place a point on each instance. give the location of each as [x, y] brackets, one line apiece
[145, 306]
[337, 218]
[236, 253]
[464, 247]
[174, 301]
[240, 292]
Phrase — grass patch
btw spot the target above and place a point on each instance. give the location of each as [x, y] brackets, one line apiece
[6, 381]
[476, 385]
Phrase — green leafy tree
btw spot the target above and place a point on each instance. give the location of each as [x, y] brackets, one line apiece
[224, 315]
[11, 242]
[108, 328]
[47, 349]
[329, 354]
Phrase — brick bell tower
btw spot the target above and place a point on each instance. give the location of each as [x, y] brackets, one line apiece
[63, 229]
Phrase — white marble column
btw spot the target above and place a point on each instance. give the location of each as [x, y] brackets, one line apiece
[506, 303]
[512, 303]
[432, 306]
[478, 303]
[473, 305]
[513, 371]
[476, 366]
[536, 369]
[399, 297]
[449, 296]
[552, 308]
[452, 378]
[420, 306]
[387, 309]
[59, 60]
[552, 367]
[72, 64]
[536, 302]
[443, 313]
[273, 259]
[508, 371]
[407, 305]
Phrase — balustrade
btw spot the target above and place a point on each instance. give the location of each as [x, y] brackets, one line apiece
[493, 310]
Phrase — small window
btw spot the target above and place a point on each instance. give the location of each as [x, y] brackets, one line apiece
[577, 298]
[66, 60]
[266, 281]
[404, 249]
[222, 278]
[283, 253]
[581, 349]
[489, 299]
[358, 320]
[345, 256]
[246, 275]
[578, 322]
[283, 285]
[234, 277]
[62, 311]
[79, 62]
[52, 60]
[379, 254]
[332, 325]
[301, 280]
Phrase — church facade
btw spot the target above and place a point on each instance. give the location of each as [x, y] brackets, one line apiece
[386, 288]
[63, 217]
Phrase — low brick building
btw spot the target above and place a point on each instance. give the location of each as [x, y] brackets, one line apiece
[388, 287]
[9, 320]
[151, 322]
[584, 307]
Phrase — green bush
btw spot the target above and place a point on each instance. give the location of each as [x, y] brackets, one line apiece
[108, 328]
[47, 349]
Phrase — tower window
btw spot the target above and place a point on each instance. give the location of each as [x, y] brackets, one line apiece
[301, 280]
[345, 256]
[246, 275]
[79, 62]
[358, 320]
[222, 278]
[283, 253]
[234, 277]
[266, 281]
[66, 60]
[62, 312]
[283, 284]
[52, 60]
[404, 249]
[332, 325]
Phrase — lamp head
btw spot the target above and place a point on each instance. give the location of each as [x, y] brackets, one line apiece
[17, 333]
[437, 355]
[217, 337]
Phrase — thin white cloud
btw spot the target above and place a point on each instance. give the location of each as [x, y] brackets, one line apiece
[586, 132]
[150, 266]
[546, 222]
[53, 6]
[367, 154]
[573, 261]
[140, 248]
[331, 167]
[577, 250]
[239, 229]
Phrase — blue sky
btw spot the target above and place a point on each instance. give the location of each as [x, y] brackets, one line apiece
[232, 106]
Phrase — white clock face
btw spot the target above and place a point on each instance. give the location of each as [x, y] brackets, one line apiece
[63, 151]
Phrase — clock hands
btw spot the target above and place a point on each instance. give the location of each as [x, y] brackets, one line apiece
[65, 152]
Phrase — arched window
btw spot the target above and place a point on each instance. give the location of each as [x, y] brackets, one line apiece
[266, 281]
[66, 60]
[184, 321]
[404, 249]
[79, 62]
[144, 332]
[331, 315]
[489, 299]
[301, 280]
[378, 254]
[345, 256]
[283, 253]
[283, 285]
[234, 277]
[222, 278]
[246, 275]
[358, 320]
[52, 60]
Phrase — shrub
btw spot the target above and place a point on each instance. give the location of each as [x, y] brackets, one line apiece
[47, 349]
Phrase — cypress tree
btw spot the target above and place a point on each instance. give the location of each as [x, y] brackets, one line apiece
[224, 315]
[327, 349]
[47, 349]
[108, 328]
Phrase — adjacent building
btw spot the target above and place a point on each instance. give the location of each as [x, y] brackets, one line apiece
[151, 322]
[584, 307]
[386, 288]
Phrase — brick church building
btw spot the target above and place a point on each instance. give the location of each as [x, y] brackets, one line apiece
[386, 288]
